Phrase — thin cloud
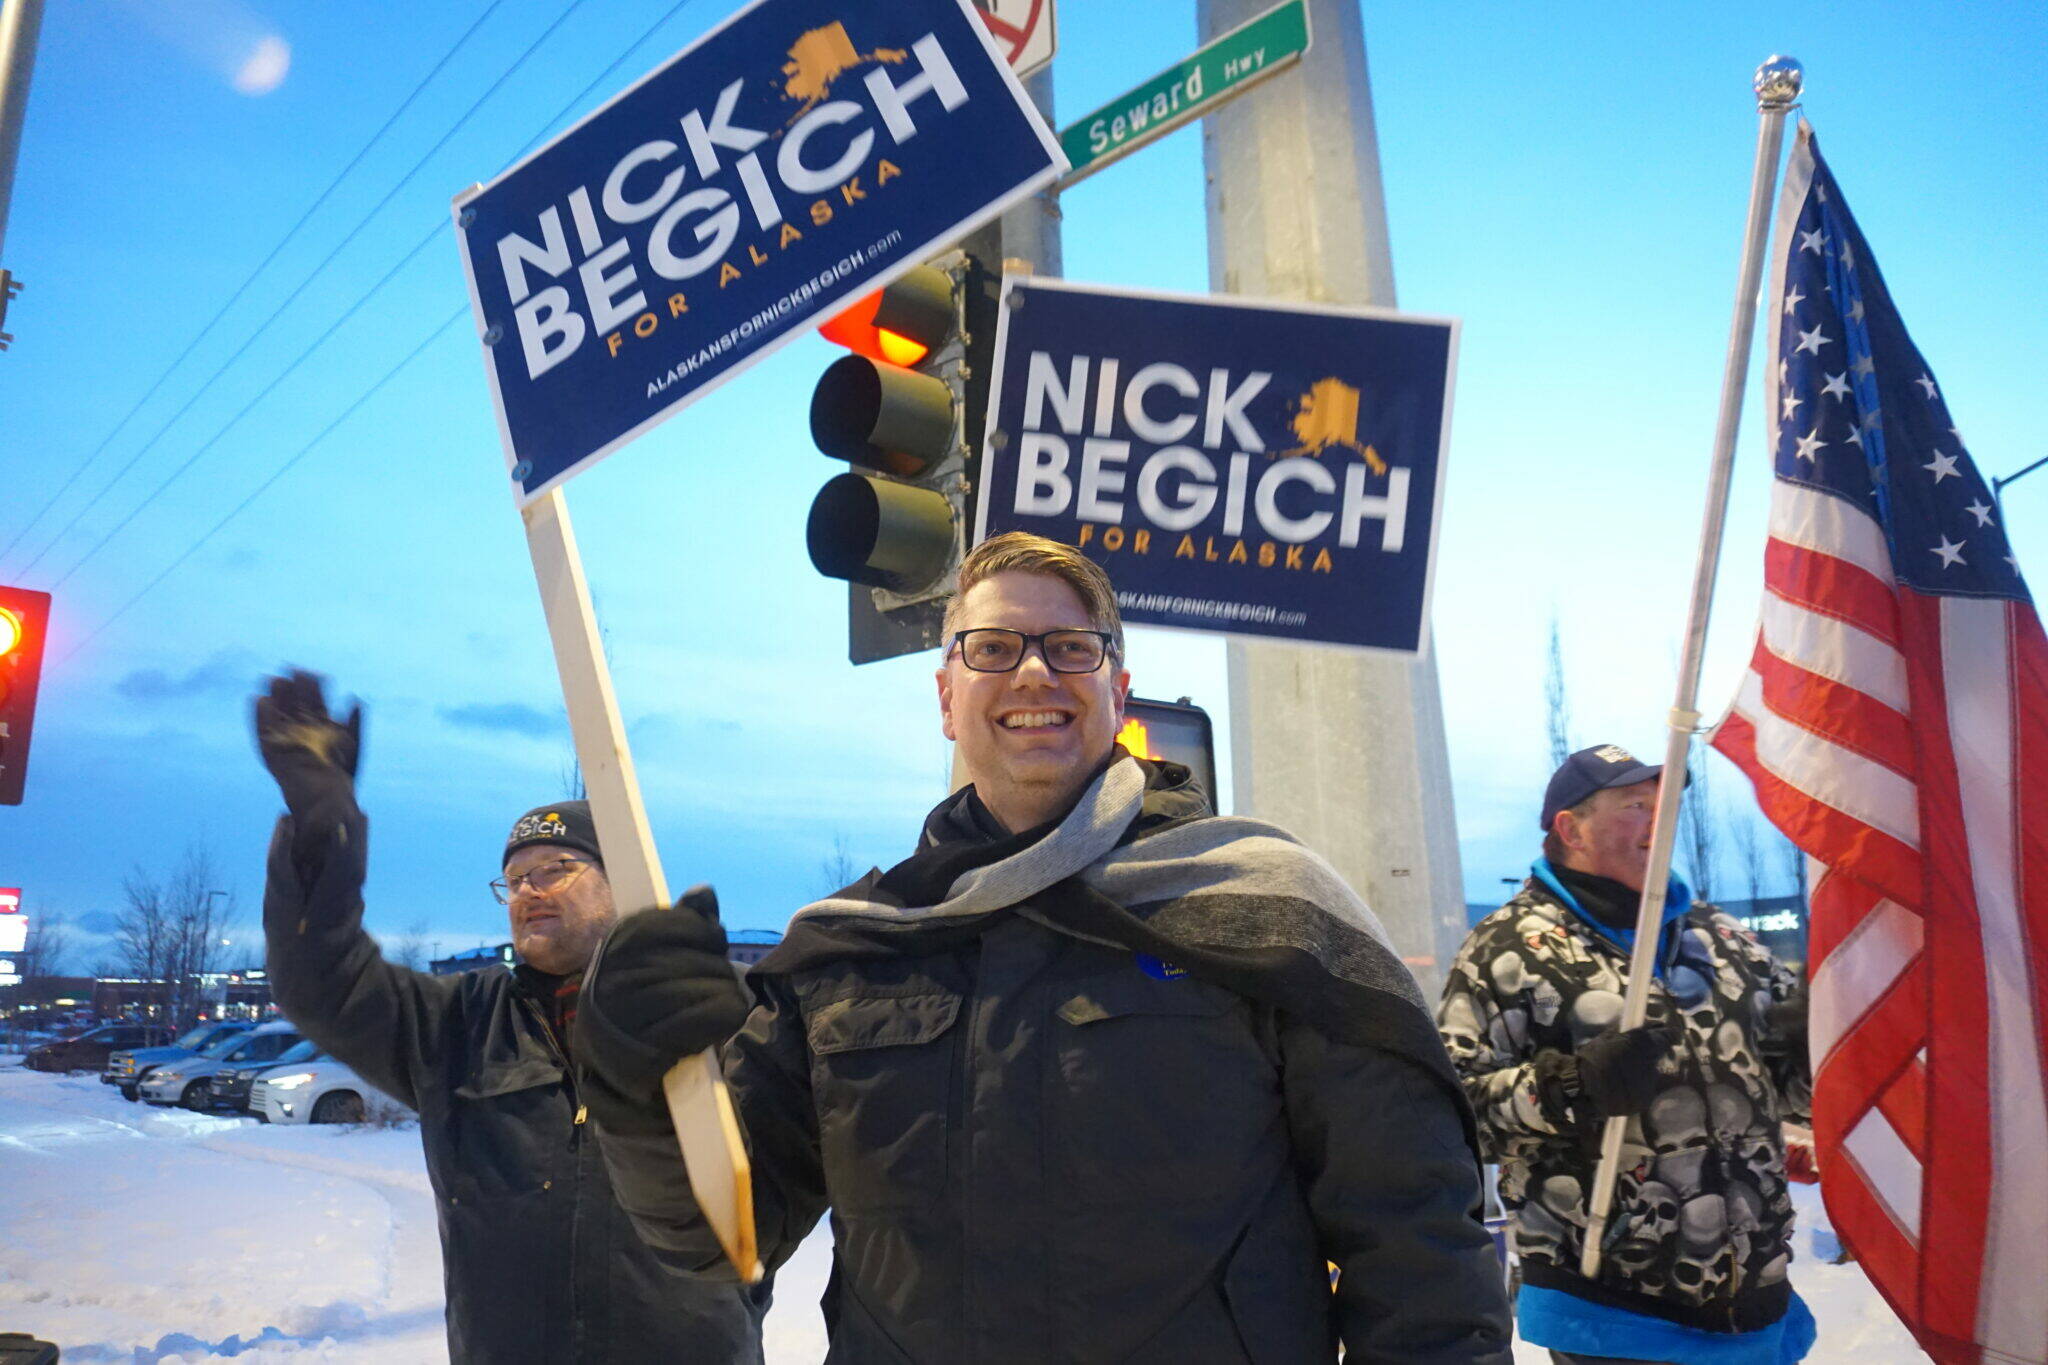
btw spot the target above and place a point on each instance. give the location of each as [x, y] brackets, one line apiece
[230, 672]
[511, 718]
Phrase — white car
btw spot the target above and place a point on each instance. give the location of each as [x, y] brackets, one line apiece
[323, 1091]
[189, 1082]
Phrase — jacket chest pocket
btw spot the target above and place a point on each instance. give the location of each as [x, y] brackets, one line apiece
[1153, 1062]
[504, 1127]
[882, 1070]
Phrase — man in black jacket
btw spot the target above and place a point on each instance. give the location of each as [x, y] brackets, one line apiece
[541, 1264]
[1093, 1076]
[1694, 1266]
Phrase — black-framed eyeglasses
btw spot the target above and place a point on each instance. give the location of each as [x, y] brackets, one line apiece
[996, 649]
[544, 880]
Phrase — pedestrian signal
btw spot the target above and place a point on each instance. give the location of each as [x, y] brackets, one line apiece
[1176, 731]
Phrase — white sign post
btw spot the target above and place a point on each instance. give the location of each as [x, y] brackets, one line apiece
[713, 1152]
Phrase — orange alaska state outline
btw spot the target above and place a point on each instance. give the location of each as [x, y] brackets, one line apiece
[1326, 417]
[821, 56]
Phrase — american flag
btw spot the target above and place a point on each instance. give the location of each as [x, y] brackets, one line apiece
[1895, 722]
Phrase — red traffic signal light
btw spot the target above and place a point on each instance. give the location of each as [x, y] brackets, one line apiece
[24, 623]
[904, 411]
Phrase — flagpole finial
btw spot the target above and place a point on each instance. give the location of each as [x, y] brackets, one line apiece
[1778, 81]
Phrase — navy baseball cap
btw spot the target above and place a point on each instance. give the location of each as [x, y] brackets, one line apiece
[1593, 770]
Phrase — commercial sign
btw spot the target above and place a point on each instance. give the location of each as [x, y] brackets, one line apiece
[1023, 29]
[1215, 74]
[1245, 466]
[803, 153]
[13, 923]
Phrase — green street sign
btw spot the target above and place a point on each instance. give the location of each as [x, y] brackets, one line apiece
[1226, 68]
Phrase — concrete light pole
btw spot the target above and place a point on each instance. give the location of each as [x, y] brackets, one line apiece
[1346, 750]
[20, 23]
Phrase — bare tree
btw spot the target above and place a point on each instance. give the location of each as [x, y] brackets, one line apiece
[1696, 832]
[174, 931]
[840, 869]
[571, 774]
[1794, 864]
[1749, 853]
[413, 948]
[49, 938]
[1556, 705]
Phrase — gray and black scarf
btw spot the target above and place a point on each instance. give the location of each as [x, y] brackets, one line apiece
[1139, 864]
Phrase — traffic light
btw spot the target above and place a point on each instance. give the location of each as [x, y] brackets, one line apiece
[24, 621]
[905, 410]
[1177, 731]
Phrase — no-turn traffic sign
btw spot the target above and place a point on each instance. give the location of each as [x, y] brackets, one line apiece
[1023, 29]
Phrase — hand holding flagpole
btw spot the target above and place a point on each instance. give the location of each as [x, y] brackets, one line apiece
[1777, 84]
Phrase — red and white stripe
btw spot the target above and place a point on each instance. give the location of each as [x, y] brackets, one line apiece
[1901, 740]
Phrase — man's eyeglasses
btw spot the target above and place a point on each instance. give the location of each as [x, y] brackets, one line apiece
[544, 880]
[994, 649]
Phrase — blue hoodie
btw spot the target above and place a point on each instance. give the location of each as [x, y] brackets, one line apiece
[1677, 901]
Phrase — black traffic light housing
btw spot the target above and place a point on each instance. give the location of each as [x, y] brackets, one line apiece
[24, 624]
[895, 525]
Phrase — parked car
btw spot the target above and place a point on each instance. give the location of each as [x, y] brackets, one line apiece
[324, 1091]
[88, 1051]
[127, 1068]
[229, 1086]
[188, 1082]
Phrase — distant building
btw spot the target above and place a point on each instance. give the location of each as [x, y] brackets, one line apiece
[748, 946]
[474, 959]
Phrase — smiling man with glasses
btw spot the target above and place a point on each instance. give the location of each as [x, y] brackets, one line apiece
[1094, 1075]
[541, 1262]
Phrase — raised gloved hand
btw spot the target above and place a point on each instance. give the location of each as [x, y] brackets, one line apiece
[310, 753]
[660, 990]
[1615, 1074]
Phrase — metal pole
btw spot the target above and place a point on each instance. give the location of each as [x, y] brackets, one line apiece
[1026, 239]
[1777, 84]
[1344, 749]
[20, 23]
[1998, 485]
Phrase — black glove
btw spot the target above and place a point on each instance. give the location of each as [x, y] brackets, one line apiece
[659, 990]
[1615, 1074]
[310, 753]
[1784, 1031]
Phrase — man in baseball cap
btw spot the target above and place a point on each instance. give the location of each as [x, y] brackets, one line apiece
[541, 1263]
[1693, 1268]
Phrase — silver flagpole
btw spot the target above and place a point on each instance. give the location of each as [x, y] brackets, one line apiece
[1777, 84]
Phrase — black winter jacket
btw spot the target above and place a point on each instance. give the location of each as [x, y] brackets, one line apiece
[1044, 1151]
[541, 1263]
[1700, 1232]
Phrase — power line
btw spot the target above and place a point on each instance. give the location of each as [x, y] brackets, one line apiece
[243, 288]
[292, 298]
[247, 408]
[573, 102]
[265, 486]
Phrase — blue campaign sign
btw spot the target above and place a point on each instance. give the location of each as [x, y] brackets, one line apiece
[800, 155]
[1236, 465]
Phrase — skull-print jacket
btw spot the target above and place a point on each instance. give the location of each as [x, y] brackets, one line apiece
[1701, 1228]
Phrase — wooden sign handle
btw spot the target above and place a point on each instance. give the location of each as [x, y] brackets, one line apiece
[713, 1152]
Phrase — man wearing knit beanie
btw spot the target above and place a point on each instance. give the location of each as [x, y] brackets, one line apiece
[541, 1263]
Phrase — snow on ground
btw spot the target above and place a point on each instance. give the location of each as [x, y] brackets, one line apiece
[160, 1237]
